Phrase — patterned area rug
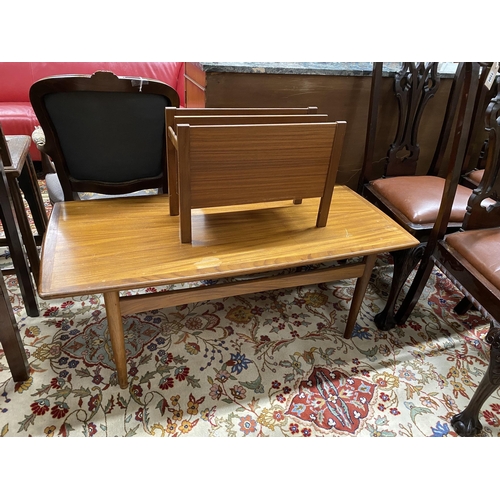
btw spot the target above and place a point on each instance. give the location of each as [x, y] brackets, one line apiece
[265, 364]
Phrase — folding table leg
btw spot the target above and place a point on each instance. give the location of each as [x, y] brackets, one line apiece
[24, 226]
[29, 186]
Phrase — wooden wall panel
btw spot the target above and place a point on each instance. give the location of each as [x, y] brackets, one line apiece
[341, 97]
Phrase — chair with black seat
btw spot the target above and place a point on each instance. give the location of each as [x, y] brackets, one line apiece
[104, 133]
[471, 259]
[406, 195]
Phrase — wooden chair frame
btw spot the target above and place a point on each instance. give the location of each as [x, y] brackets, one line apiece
[100, 85]
[21, 178]
[412, 104]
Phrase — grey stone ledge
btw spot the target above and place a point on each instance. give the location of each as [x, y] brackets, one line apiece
[445, 69]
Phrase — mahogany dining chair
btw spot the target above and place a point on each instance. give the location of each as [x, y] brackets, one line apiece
[403, 192]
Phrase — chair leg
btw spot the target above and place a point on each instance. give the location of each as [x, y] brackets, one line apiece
[28, 183]
[463, 306]
[10, 338]
[415, 291]
[18, 256]
[404, 263]
[24, 226]
[467, 422]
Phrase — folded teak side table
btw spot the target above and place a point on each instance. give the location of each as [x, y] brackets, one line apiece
[112, 245]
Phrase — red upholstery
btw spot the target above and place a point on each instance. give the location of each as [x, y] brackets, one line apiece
[16, 114]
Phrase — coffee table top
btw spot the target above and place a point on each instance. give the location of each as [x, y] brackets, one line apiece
[105, 245]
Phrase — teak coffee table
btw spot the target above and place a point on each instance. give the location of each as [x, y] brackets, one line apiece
[112, 245]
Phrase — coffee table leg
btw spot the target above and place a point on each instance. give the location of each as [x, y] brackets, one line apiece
[115, 326]
[359, 293]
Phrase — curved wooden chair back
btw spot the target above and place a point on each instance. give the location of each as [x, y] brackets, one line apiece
[414, 86]
[104, 133]
[483, 210]
[477, 149]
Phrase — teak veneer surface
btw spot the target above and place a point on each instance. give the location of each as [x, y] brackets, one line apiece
[87, 251]
[266, 162]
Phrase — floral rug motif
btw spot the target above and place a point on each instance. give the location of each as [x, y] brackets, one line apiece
[332, 399]
[264, 364]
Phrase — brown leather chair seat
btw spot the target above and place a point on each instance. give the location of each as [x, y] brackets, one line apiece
[476, 175]
[476, 246]
[419, 197]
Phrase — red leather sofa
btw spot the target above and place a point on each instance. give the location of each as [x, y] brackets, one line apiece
[16, 114]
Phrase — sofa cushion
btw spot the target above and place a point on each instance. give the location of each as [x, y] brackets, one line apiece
[17, 77]
[15, 82]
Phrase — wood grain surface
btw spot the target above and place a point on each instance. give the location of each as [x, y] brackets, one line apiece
[107, 245]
